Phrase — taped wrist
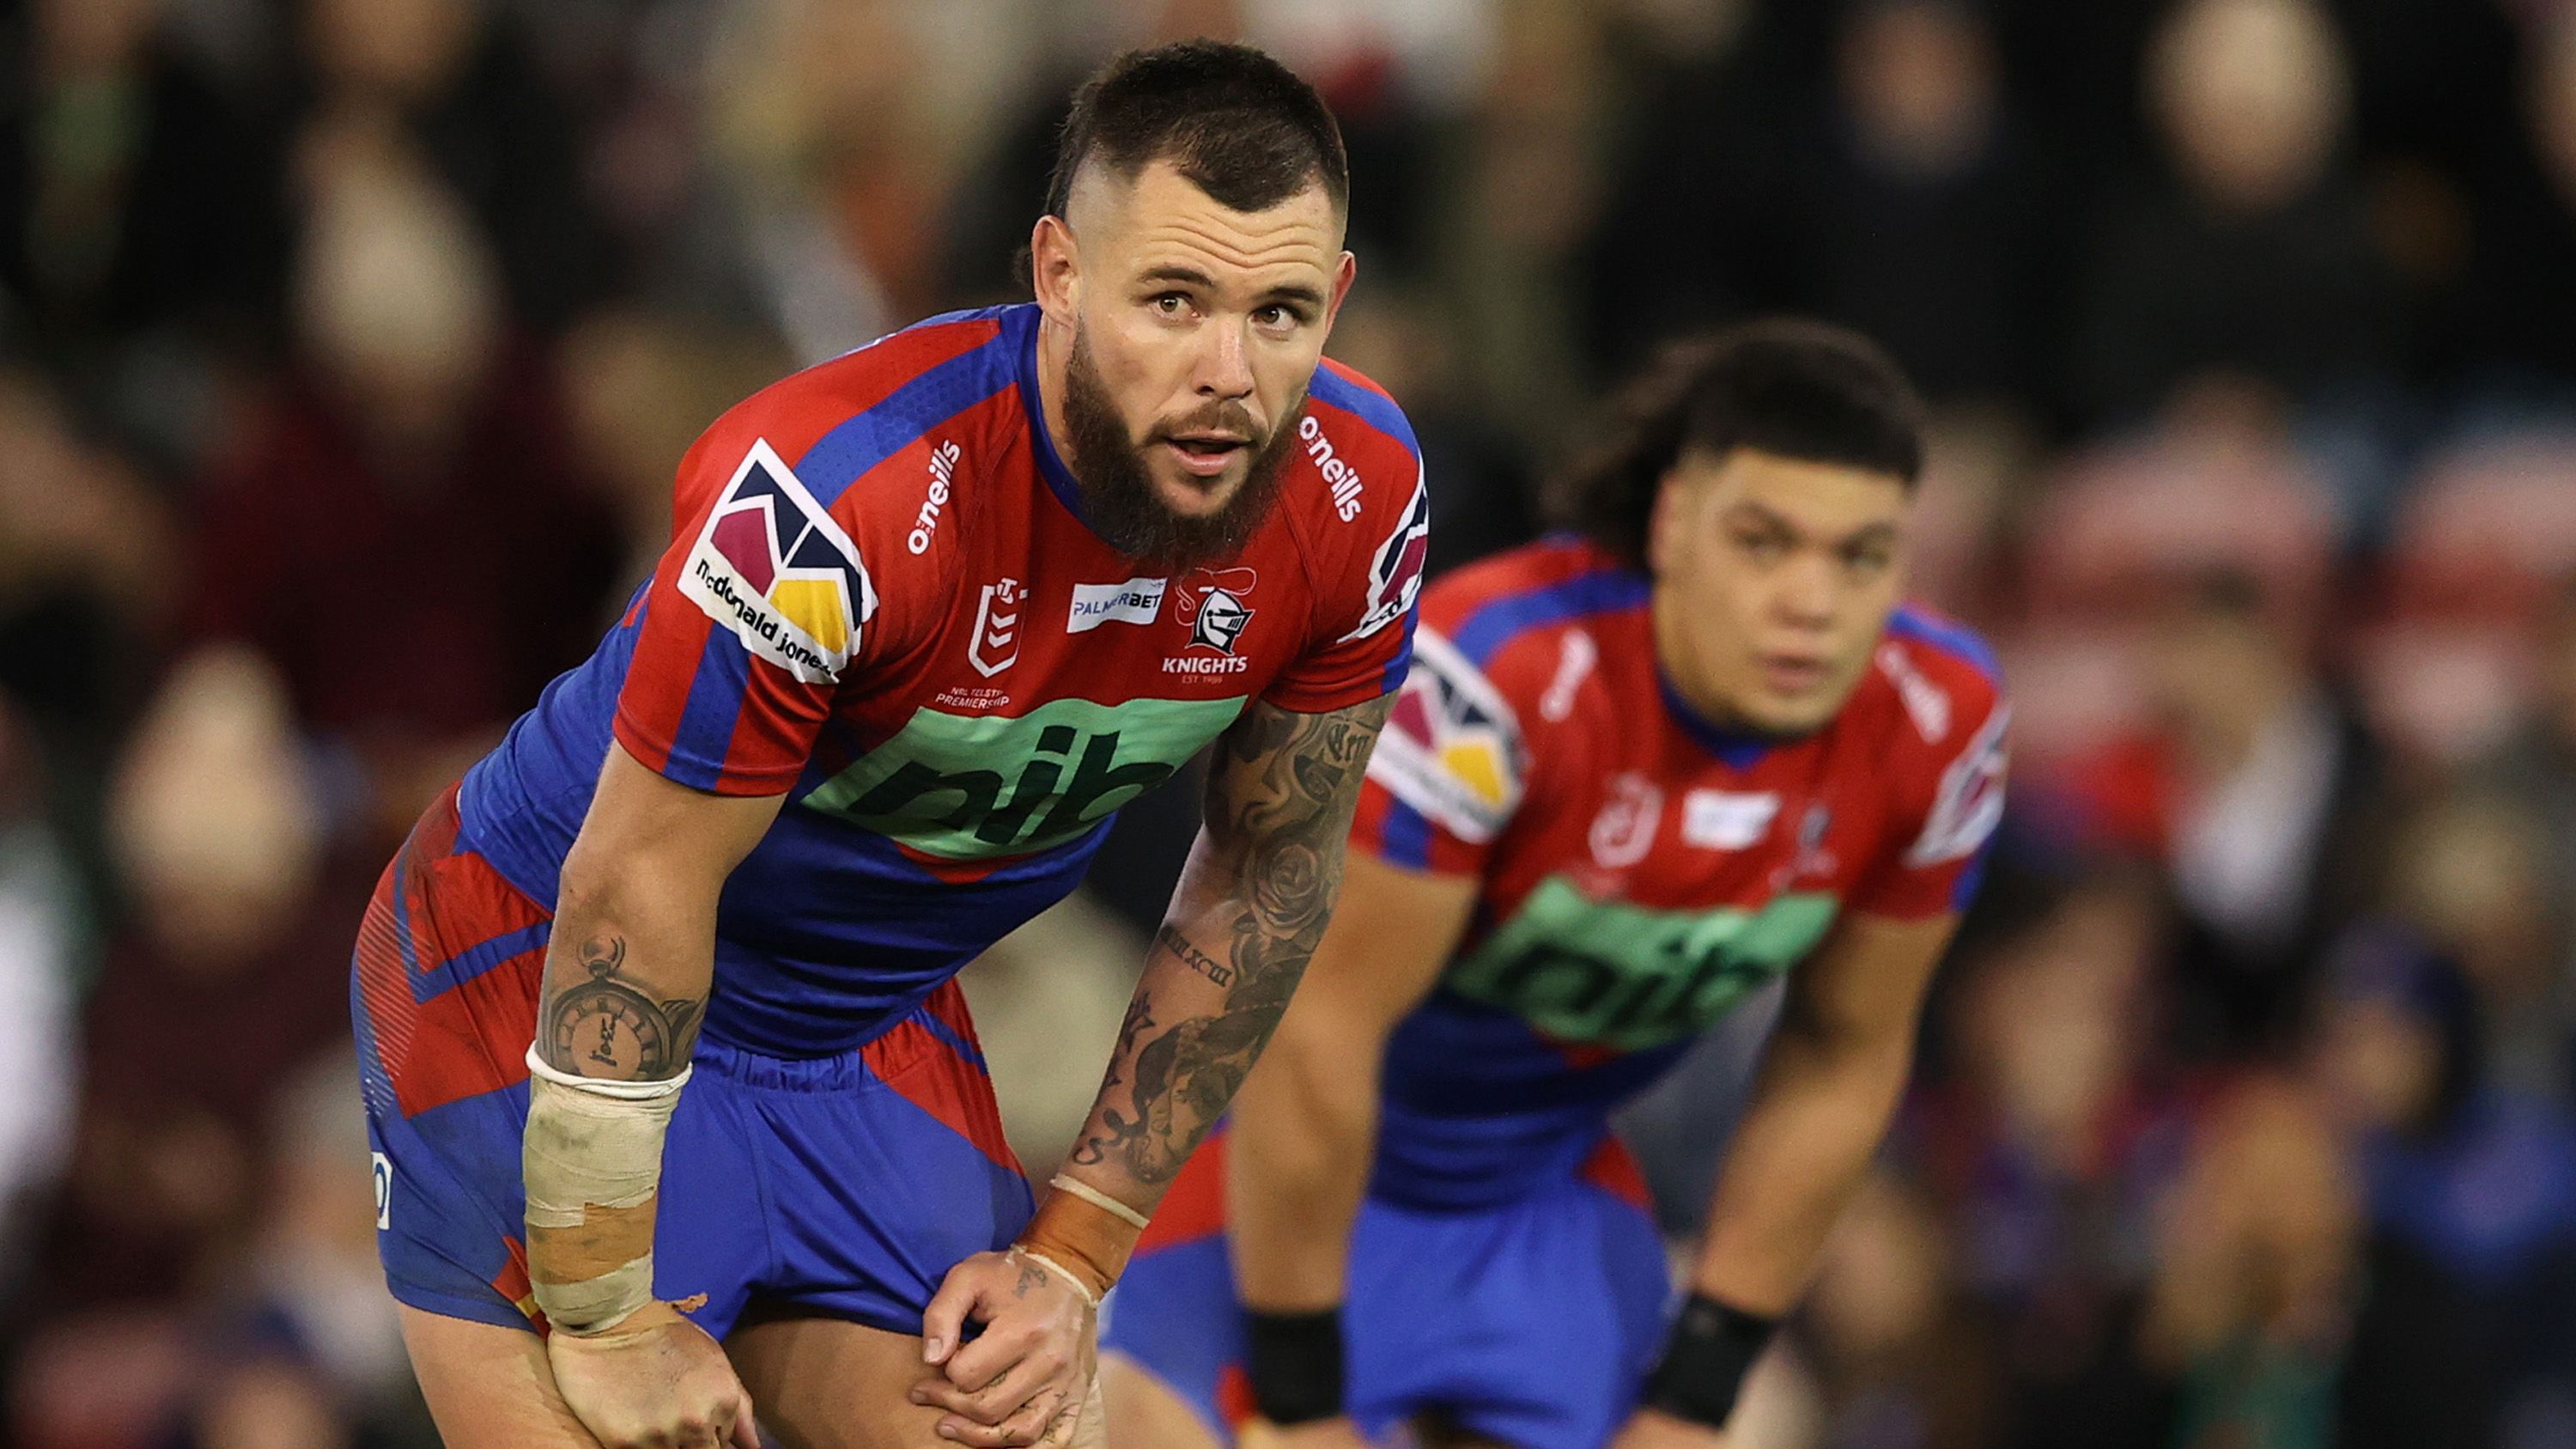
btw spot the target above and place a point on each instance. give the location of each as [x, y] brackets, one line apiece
[592, 1160]
[1712, 1346]
[1086, 1238]
[1294, 1361]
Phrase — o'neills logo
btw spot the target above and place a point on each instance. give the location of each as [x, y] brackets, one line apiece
[1339, 475]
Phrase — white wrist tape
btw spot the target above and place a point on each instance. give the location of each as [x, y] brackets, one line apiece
[593, 1149]
[1067, 1182]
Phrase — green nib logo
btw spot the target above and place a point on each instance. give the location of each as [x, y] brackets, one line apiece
[968, 788]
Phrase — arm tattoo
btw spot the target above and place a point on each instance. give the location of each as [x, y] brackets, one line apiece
[1279, 803]
[605, 1027]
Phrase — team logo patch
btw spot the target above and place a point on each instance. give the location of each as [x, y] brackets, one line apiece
[995, 645]
[1137, 601]
[1451, 748]
[1395, 572]
[1212, 604]
[773, 566]
[1625, 829]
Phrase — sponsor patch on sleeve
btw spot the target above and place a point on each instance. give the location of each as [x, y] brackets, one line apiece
[1395, 570]
[1971, 800]
[1451, 747]
[773, 566]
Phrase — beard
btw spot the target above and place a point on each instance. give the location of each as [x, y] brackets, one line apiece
[1118, 495]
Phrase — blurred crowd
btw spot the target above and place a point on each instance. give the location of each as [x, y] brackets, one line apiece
[346, 348]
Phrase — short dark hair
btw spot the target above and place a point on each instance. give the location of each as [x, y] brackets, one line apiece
[1241, 126]
[1786, 386]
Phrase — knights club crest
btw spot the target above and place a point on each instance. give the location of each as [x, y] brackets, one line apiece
[1212, 604]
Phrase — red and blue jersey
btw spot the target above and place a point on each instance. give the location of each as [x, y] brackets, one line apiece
[882, 601]
[1641, 871]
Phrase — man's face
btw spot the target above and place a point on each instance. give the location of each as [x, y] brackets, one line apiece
[1195, 329]
[1773, 582]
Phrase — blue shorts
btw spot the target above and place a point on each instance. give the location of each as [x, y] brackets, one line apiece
[1531, 1323]
[844, 1185]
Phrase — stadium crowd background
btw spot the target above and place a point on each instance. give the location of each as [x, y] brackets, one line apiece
[346, 348]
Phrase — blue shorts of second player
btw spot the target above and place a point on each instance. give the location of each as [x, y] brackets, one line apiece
[846, 1186]
[1532, 1323]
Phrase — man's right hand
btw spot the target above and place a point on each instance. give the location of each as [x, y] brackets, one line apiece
[655, 1381]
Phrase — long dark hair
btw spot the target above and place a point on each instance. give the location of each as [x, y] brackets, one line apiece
[1785, 386]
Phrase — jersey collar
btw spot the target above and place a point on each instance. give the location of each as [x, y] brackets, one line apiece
[1737, 749]
[1051, 467]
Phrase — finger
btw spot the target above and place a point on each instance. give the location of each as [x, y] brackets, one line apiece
[1024, 1427]
[944, 1321]
[996, 1400]
[1001, 1348]
[746, 1426]
[1067, 1422]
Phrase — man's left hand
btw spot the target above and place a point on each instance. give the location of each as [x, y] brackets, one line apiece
[1024, 1380]
[1647, 1429]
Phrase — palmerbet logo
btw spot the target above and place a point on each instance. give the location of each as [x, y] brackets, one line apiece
[773, 566]
[973, 787]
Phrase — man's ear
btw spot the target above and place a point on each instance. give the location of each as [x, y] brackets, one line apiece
[1343, 275]
[1055, 269]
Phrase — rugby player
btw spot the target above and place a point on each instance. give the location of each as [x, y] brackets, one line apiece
[663, 1055]
[1632, 777]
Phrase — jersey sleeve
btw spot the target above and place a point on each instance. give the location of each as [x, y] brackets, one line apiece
[1939, 854]
[1450, 769]
[1365, 640]
[753, 616]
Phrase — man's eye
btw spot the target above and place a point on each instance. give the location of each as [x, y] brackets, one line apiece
[1867, 560]
[1275, 316]
[1170, 304]
[1762, 545]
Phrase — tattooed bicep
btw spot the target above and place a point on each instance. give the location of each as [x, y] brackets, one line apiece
[1281, 770]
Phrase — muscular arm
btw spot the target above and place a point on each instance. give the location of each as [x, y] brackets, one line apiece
[1304, 1127]
[1828, 1086]
[1250, 908]
[626, 981]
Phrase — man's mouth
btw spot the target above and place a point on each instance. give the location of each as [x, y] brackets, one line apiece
[1794, 674]
[1206, 454]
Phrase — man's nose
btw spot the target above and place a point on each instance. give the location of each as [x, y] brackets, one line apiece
[1224, 364]
[1808, 593]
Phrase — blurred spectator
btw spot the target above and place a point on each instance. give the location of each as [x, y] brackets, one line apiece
[1895, 1362]
[141, 215]
[2259, 788]
[2251, 253]
[2281, 1319]
[819, 131]
[405, 529]
[233, 972]
[460, 80]
[2050, 1148]
[2469, 874]
[2478, 1180]
[1920, 222]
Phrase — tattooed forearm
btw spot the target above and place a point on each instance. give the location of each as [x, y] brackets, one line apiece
[1279, 802]
[606, 1027]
